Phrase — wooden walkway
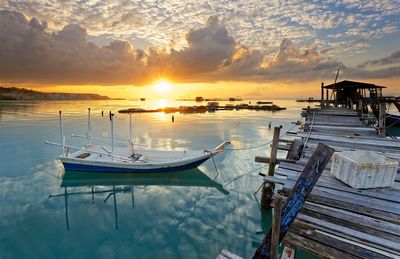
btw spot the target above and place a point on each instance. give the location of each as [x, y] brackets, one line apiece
[338, 221]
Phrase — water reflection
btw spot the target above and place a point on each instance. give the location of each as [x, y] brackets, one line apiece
[122, 183]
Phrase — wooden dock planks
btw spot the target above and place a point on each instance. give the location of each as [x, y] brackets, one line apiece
[338, 221]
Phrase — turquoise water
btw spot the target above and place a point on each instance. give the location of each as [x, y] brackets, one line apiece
[191, 214]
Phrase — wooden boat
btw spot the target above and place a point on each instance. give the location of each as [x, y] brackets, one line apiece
[125, 160]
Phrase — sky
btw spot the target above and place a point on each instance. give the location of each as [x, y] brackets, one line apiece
[211, 48]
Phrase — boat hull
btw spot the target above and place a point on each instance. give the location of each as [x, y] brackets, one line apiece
[117, 168]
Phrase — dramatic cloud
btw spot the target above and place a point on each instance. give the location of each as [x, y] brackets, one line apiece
[392, 59]
[251, 22]
[31, 52]
[28, 52]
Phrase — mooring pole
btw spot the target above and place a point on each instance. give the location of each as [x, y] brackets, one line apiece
[268, 188]
[276, 225]
[274, 151]
[327, 97]
[382, 118]
[322, 94]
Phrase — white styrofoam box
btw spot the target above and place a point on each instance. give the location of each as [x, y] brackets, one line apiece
[364, 169]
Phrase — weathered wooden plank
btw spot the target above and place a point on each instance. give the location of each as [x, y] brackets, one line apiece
[316, 247]
[357, 236]
[331, 216]
[284, 147]
[365, 201]
[387, 194]
[354, 129]
[360, 137]
[352, 140]
[353, 248]
[225, 254]
[326, 176]
[298, 195]
[355, 217]
[353, 220]
[340, 146]
[337, 202]
[266, 160]
[295, 150]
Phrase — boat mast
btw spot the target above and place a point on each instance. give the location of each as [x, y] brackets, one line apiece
[130, 131]
[112, 133]
[61, 133]
[89, 129]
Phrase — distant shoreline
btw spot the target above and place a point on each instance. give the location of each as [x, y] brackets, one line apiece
[22, 94]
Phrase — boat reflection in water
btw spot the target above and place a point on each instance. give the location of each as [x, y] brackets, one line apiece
[102, 183]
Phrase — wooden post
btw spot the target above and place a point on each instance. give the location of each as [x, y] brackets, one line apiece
[360, 106]
[266, 195]
[327, 98]
[322, 95]
[295, 150]
[276, 225]
[274, 151]
[268, 188]
[382, 118]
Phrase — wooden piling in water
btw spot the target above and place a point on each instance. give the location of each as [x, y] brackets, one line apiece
[322, 95]
[274, 151]
[381, 120]
[276, 223]
[268, 188]
[327, 98]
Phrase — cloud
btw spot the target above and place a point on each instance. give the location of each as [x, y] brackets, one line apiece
[391, 59]
[29, 51]
[250, 22]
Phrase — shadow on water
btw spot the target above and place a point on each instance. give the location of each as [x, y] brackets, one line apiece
[120, 183]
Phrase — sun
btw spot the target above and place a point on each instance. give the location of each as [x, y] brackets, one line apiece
[162, 87]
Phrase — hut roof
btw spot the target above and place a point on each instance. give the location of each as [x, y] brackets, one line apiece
[352, 85]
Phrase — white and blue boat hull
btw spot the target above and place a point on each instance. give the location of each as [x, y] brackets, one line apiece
[117, 168]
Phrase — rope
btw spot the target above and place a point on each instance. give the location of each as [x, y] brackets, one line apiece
[309, 134]
[234, 179]
[263, 144]
[215, 165]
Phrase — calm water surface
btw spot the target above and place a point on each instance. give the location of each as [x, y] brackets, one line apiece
[45, 213]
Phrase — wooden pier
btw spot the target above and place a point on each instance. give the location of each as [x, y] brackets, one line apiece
[338, 221]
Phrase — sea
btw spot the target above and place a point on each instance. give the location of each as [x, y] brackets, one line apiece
[46, 212]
